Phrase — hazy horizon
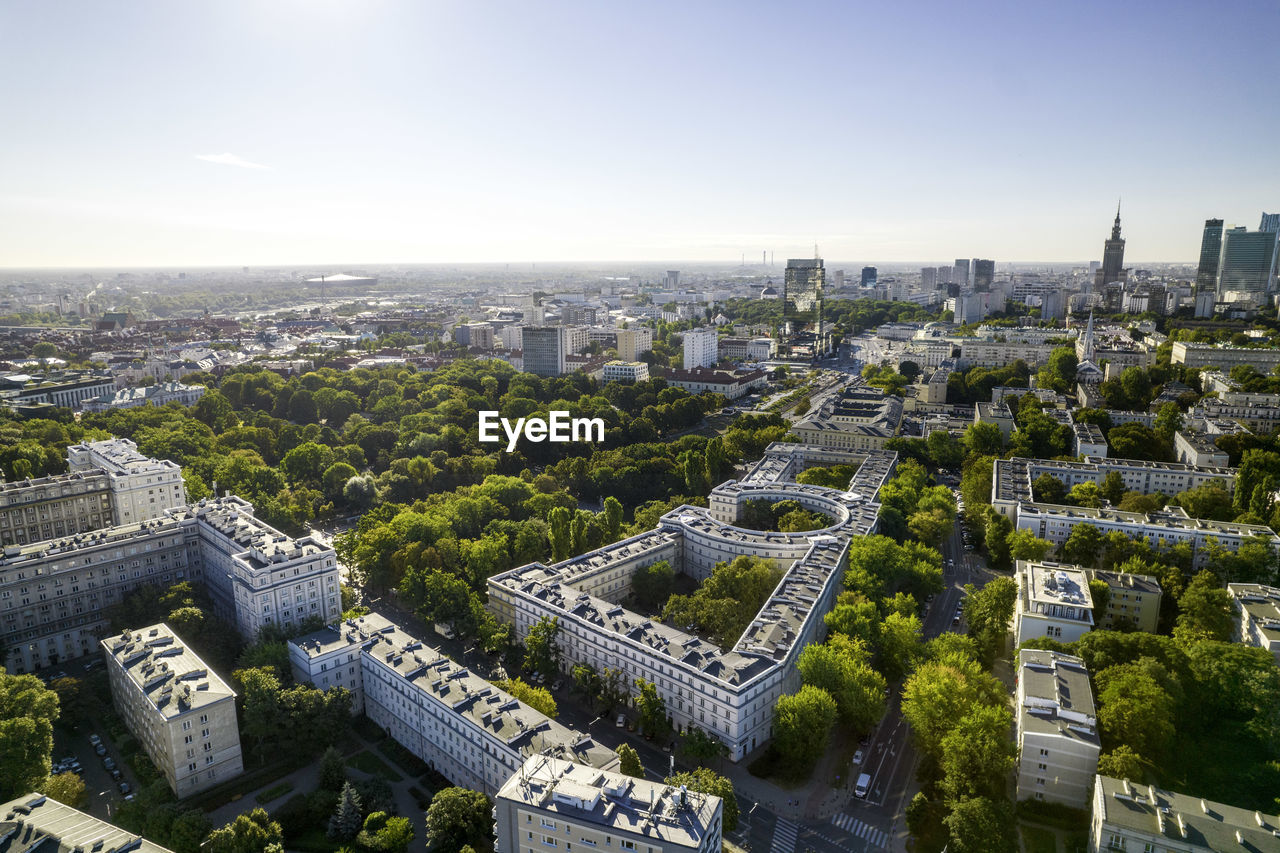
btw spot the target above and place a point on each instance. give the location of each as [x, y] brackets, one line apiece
[154, 134]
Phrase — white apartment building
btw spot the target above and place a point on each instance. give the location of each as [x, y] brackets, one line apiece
[157, 395]
[1088, 441]
[1259, 417]
[1058, 742]
[730, 693]
[1135, 818]
[625, 371]
[455, 721]
[54, 593]
[181, 712]
[858, 420]
[1257, 614]
[985, 353]
[1198, 449]
[700, 348]
[553, 803]
[47, 825]
[142, 488]
[1053, 601]
[633, 343]
[1224, 357]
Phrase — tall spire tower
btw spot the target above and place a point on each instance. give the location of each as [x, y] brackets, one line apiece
[1112, 268]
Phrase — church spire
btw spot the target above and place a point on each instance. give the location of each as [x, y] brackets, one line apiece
[1088, 339]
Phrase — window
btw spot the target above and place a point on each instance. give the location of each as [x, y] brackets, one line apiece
[549, 841]
[186, 726]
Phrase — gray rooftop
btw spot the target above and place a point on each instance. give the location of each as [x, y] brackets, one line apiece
[1057, 696]
[1190, 821]
[172, 676]
[37, 824]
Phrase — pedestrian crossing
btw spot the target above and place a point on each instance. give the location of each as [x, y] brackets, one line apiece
[858, 829]
[784, 837]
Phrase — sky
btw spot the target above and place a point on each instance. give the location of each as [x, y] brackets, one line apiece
[258, 132]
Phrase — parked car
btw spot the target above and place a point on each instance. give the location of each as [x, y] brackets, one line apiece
[557, 684]
[124, 787]
[116, 775]
[100, 749]
[863, 787]
[109, 763]
[95, 740]
[857, 758]
[622, 720]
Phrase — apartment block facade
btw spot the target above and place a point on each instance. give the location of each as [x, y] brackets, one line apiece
[1058, 743]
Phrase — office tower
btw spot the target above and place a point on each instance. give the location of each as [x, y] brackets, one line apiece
[1210, 250]
[1112, 256]
[802, 292]
[672, 280]
[632, 343]
[1247, 263]
[479, 335]
[1270, 222]
[868, 277]
[928, 278]
[544, 350]
[984, 272]
[838, 279]
[700, 348]
[960, 273]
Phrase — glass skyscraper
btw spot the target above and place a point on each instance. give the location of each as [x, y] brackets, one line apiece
[1210, 249]
[802, 293]
[1247, 264]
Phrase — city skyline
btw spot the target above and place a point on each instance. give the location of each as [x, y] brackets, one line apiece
[345, 133]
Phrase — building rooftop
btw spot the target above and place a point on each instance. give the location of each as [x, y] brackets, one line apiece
[1055, 589]
[584, 795]
[1193, 822]
[38, 824]
[1262, 604]
[116, 456]
[172, 676]
[1056, 696]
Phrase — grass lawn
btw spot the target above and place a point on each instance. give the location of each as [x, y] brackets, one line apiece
[1037, 840]
[273, 793]
[374, 766]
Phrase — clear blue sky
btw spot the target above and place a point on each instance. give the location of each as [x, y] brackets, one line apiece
[409, 130]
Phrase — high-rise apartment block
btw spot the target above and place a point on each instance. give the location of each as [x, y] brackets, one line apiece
[478, 335]
[633, 343]
[181, 712]
[700, 348]
[553, 804]
[1210, 250]
[544, 350]
[1057, 729]
[960, 273]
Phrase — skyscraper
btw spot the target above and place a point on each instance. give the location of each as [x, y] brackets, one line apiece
[868, 276]
[1112, 268]
[984, 272]
[1210, 249]
[544, 350]
[1247, 264]
[928, 278]
[802, 292]
[960, 275]
[700, 348]
[1270, 222]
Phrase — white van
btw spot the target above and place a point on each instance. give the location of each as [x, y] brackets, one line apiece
[863, 787]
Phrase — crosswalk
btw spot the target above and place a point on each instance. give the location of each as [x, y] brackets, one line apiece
[784, 837]
[858, 829]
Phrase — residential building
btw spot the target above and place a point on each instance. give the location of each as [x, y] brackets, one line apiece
[1053, 601]
[700, 348]
[512, 337]
[960, 273]
[1198, 449]
[1223, 357]
[478, 335]
[1088, 440]
[857, 419]
[633, 343]
[552, 803]
[1057, 724]
[1132, 600]
[1259, 417]
[544, 349]
[54, 593]
[731, 383]
[469, 730]
[180, 711]
[1257, 614]
[161, 394]
[995, 413]
[34, 823]
[625, 371]
[728, 692]
[983, 353]
[66, 389]
[1134, 817]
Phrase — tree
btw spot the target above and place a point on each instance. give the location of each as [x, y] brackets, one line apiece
[901, 644]
[262, 714]
[652, 708]
[977, 754]
[699, 746]
[840, 667]
[1083, 545]
[981, 825]
[333, 771]
[801, 723]
[944, 450]
[931, 527]
[1086, 494]
[998, 530]
[385, 834]
[1135, 441]
[27, 714]
[1208, 500]
[1206, 611]
[706, 781]
[1135, 709]
[987, 612]
[561, 533]
[1025, 545]
[1048, 489]
[537, 698]
[1112, 487]
[1121, 763]
[1100, 592]
[629, 761]
[66, 788]
[458, 817]
[542, 653]
[344, 824]
[940, 692]
[251, 832]
[983, 439]
[613, 518]
[652, 585]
